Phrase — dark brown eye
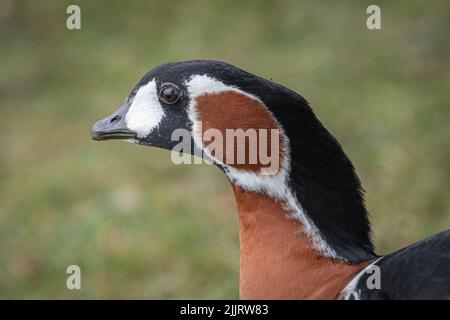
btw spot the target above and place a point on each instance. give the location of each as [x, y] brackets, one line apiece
[169, 93]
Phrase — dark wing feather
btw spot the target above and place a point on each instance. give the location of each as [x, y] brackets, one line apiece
[419, 271]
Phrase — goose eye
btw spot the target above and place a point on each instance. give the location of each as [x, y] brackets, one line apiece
[169, 93]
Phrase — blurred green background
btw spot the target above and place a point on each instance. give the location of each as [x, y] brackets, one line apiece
[142, 227]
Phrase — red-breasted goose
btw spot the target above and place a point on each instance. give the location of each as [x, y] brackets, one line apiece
[304, 228]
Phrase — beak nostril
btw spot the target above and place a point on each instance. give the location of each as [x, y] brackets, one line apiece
[115, 119]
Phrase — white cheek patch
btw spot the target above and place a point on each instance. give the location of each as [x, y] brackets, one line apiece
[145, 113]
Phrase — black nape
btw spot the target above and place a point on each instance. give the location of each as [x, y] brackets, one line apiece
[325, 182]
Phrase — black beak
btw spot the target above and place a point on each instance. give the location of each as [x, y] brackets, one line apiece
[113, 126]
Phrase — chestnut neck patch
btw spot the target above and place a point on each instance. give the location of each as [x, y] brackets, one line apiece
[251, 137]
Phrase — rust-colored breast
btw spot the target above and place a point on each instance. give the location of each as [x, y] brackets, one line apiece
[278, 260]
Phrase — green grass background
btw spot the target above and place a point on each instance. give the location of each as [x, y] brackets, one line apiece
[142, 227]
